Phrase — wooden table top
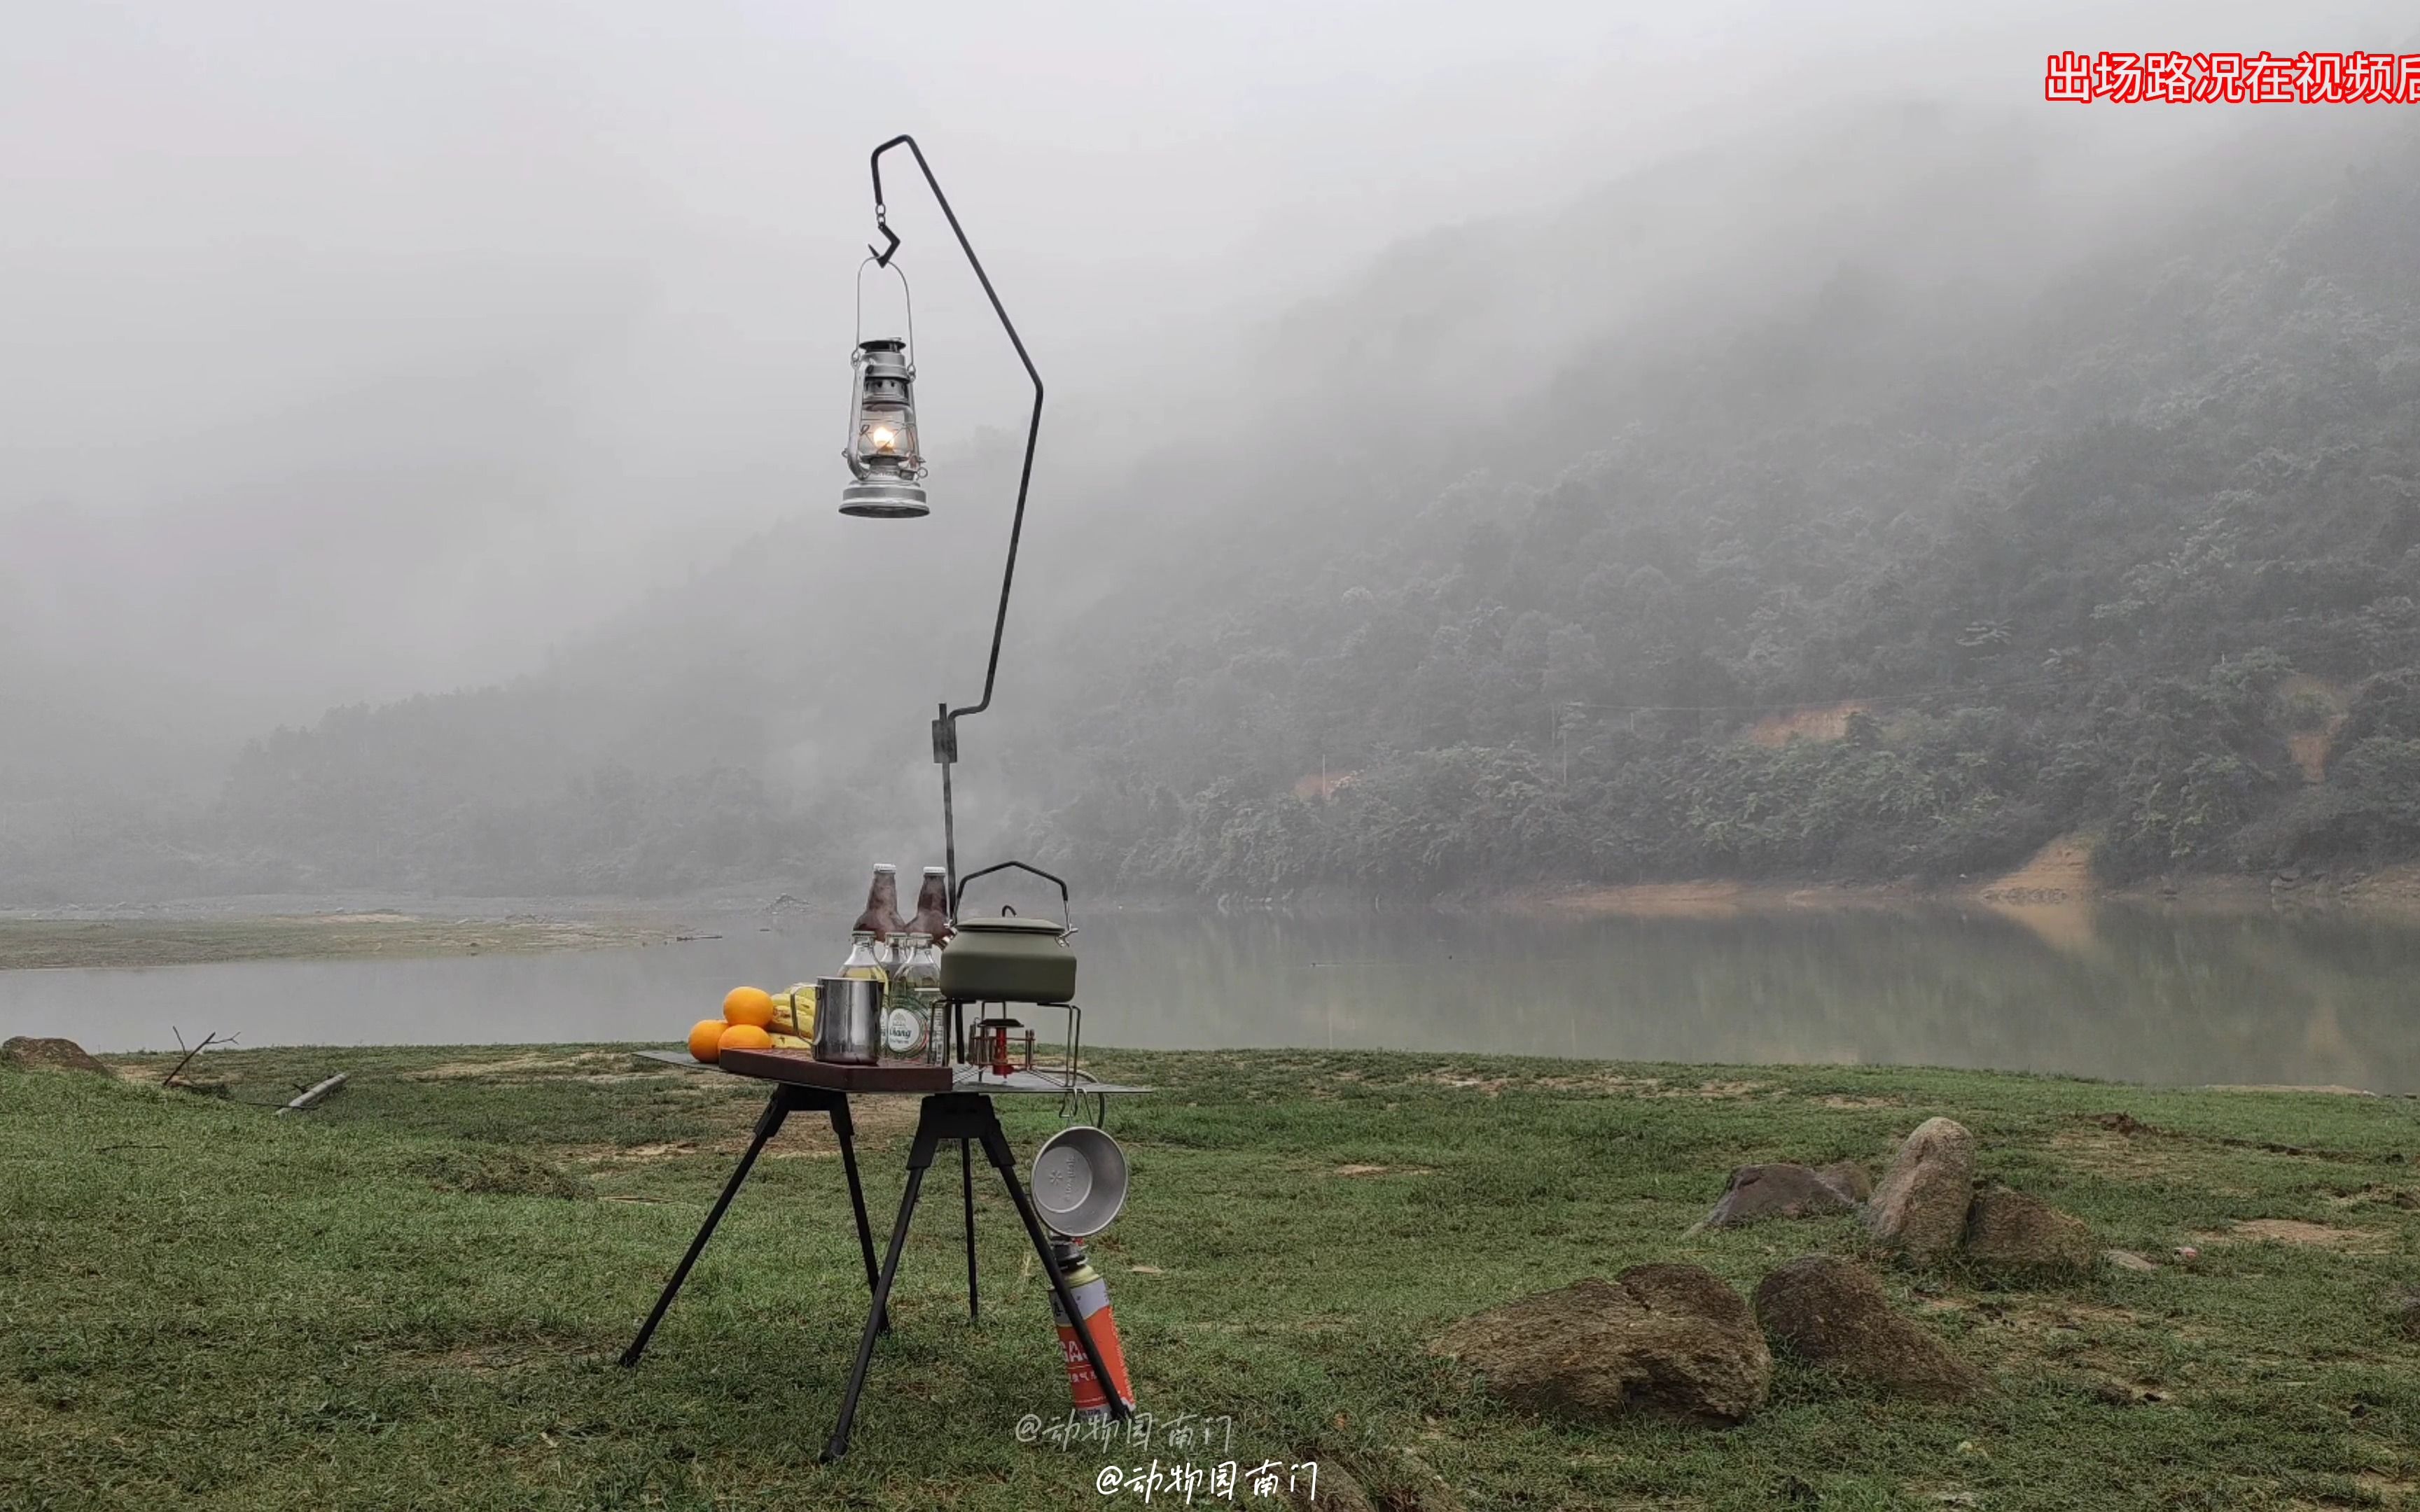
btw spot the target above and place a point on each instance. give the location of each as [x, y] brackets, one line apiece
[803, 1069]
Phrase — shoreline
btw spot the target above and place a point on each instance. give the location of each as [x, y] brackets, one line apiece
[2055, 885]
[2389, 895]
[88, 942]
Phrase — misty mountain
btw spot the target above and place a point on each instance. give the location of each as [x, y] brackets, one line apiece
[2089, 481]
[2095, 556]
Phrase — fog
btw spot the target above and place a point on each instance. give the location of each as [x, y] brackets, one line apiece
[356, 353]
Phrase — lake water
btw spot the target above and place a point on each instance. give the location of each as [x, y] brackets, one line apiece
[2132, 994]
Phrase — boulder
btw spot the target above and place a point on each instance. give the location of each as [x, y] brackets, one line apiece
[1665, 1341]
[1849, 1178]
[1785, 1191]
[48, 1055]
[2012, 1229]
[1831, 1314]
[1920, 1205]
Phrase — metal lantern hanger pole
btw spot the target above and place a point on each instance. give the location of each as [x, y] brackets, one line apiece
[945, 727]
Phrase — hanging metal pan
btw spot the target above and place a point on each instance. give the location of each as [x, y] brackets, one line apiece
[1079, 1182]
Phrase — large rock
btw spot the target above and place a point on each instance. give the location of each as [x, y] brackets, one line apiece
[1831, 1314]
[2012, 1229]
[48, 1055]
[1786, 1191]
[1667, 1340]
[1920, 1205]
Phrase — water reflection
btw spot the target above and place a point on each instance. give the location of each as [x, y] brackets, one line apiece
[2134, 993]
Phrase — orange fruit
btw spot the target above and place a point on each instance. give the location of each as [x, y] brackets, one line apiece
[751, 1005]
[705, 1038]
[744, 1037]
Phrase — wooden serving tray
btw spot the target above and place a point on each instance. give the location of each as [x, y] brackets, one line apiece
[803, 1069]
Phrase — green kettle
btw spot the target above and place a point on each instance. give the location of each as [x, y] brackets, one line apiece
[1008, 959]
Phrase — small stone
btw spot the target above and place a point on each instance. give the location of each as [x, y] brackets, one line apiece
[1920, 1205]
[1779, 1191]
[1831, 1314]
[1421, 1488]
[2405, 1313]
[1331, 1489]
[1665, 1341]
[2125, 1259]
[2009, 1228]
[48, 1055]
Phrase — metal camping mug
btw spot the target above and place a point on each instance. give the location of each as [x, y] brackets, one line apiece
[848, 1021]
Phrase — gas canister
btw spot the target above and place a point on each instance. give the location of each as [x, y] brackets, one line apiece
[1092, 1294]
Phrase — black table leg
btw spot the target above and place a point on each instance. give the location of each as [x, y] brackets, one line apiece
[918, 1156]
[844, 1130]
[996, 1144]
[963, 1116]
[966, 1181]
[768, 1124]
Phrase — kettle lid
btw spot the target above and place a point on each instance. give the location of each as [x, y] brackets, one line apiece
[1010, 924]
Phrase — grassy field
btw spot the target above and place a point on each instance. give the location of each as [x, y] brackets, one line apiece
[413, 1298]
[37, 943]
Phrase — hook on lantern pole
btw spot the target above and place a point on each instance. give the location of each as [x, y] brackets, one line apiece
[945, 728]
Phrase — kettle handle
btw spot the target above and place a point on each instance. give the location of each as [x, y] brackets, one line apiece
[1066, 905]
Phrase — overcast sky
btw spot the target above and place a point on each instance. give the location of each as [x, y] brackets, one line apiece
[349, 350]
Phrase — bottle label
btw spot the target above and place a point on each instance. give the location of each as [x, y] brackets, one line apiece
[905, 1030]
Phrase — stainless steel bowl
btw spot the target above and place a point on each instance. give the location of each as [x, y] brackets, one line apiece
[1079, 1182]
[848, 1021]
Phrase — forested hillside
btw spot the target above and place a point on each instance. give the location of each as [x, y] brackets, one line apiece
[2092, 564]
[1914, 527]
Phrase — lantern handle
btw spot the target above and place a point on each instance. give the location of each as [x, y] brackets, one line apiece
[945, 728]
[907, 295]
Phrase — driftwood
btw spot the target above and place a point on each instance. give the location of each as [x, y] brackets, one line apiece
[209, 1040]
[315, 1095]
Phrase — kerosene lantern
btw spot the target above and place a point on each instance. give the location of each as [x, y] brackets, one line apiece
[890, 471]
[881, 449]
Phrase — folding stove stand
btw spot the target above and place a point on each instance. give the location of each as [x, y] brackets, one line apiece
[951, 1110]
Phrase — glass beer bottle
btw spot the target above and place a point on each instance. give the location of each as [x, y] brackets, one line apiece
[932, 919]
[863, 963]
[908, 1014]
[881, 917]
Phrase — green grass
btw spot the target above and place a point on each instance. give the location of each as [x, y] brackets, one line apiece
[414, 1296]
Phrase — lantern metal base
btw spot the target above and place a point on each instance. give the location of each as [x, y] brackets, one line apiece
[884, 499]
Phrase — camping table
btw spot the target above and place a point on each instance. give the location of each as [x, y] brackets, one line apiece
[957, 1104]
